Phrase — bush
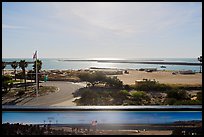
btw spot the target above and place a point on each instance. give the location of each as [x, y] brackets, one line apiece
[199, 96]
[88, 98]
[173, 101]
[6, 77]
[119, 96]
[127, 87]
[31, 74]
[189, 87]
[177, 94]
[170, 101]
[20, 75]
[93, 78]
[139, 97]
[101, 96]
[91, 97]
[188, 102]
[21, 92]
[113, 82]
[177, 132]
[99, 77]
[6, 82]
[152, 86]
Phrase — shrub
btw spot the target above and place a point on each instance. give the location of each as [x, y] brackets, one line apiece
[152, 86]
[91, 97]
[21, 92]
[177, 132]
[113, 82]
[6, 82]
[31, 74]
[127, 87]
[199, 96]
[93, 78]
[99, 77]
[119, 96]
[20, 75]
[170, 101]
[6, 77]
[139, 97]
[177, 94]
[88, 98]
[187, 102]
[189, 87]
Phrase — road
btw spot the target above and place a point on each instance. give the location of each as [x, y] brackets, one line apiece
[64, 94]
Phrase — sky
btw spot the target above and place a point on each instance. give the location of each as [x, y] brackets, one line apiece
[102, 29]
[114, 117]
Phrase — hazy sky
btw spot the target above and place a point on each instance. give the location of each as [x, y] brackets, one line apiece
[102, 30]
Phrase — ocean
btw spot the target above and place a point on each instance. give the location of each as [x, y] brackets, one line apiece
[62, 64]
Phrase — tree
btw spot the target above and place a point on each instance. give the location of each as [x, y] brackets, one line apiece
[14, 65]
[23, 64]
[114, 82]
[39, 67]
[93, 78]
[200, 59]
[97, 77]
[3, 66]
[6, 82]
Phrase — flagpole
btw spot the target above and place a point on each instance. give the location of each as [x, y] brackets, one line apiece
[36, 76]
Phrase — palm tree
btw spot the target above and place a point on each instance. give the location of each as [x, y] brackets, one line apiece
[39, 67]
[14, 65]
[3, 66]
[200, 59]
[23, 65]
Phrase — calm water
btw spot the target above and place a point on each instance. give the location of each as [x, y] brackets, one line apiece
[55, 63]
[103, 117]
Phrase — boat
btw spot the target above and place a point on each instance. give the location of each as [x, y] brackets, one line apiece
[162, 66]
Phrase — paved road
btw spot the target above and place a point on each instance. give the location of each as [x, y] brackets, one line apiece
[64, 94]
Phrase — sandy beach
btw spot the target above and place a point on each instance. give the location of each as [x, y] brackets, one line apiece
[120, 132]
[134, 132]
[165, 77]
